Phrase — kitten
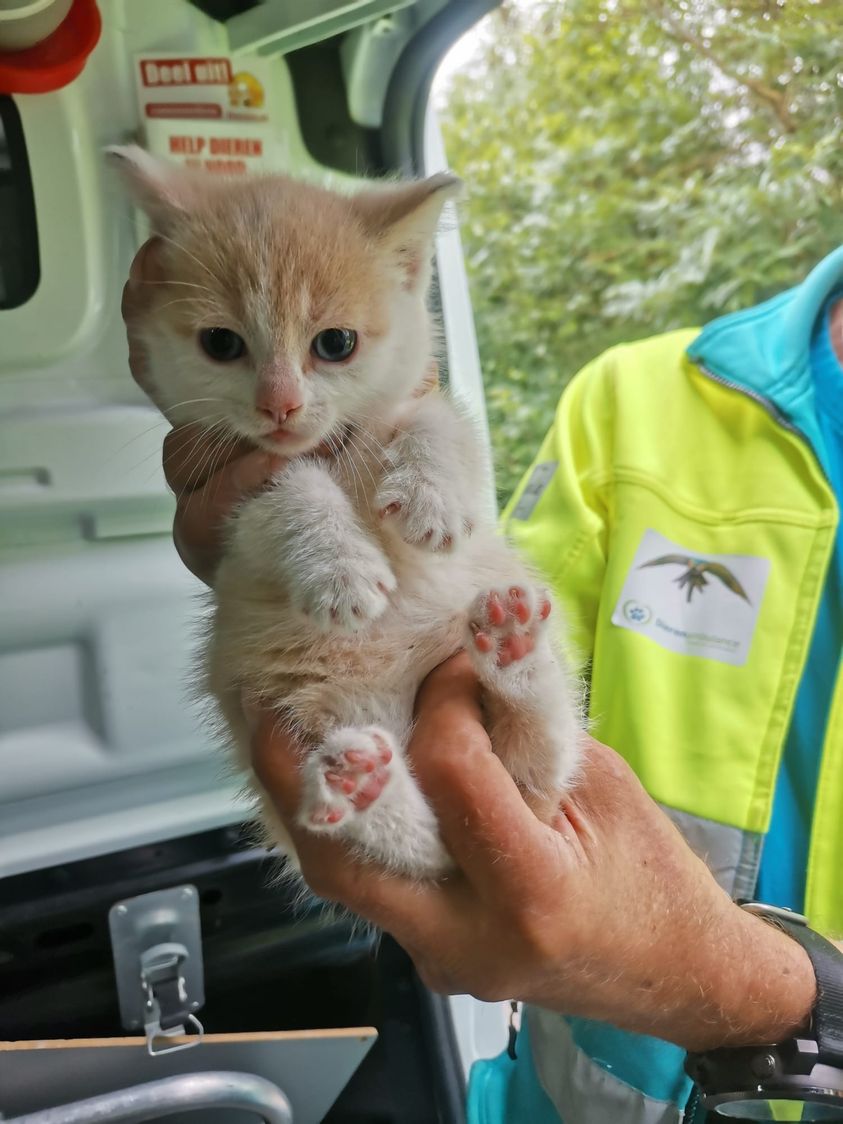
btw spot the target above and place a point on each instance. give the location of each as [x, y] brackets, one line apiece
[295, 316]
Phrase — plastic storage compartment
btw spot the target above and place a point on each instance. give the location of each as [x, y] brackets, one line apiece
[273, 962]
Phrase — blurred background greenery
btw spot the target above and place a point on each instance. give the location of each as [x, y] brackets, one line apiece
[635, 166]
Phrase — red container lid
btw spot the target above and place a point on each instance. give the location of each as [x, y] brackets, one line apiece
[56, 60]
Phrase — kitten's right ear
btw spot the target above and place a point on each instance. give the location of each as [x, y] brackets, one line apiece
[159, 188]
[404, 218]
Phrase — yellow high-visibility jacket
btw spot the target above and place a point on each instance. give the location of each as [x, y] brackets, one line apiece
[680, 511]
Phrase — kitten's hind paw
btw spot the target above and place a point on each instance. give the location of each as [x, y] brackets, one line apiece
[504, 625]
[358, 788]
[344, 776]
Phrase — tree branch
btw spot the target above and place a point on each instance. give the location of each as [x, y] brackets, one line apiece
[773, 98]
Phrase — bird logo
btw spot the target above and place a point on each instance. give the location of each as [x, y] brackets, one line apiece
[694, 578]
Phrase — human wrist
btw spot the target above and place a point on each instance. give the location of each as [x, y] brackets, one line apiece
[760, 986]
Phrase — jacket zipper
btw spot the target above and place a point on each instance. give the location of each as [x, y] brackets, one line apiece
[774, 412]
[777, 416]
[770, 406]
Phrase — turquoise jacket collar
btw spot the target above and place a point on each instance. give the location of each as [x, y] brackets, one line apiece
[766, 349]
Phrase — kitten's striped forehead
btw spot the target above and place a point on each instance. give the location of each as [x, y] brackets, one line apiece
[284, 263]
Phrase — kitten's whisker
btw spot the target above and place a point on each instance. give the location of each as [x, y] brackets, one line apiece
[196, 443]
[201, 265]
[165, 421]
[186, 284]
[193, 438]
[205, 468]
[193, 401]
[193, 441]
[363, 462]
[370, 442]
[334, 446]
[194, 479]
[217, 461]
[185, 434]
[343, 457]
[151, 429]
[369, 446]
[143, 433]
[355, 469]
[223, 444]
[185, 300]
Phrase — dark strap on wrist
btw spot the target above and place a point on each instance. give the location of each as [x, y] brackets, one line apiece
[827, 962]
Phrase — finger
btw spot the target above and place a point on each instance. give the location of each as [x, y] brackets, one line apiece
[608, 802]
[138, 294]
[201, 514]
[276, 759]
[422, 916]
[493, 835]
[606, 786]
[431, 380]
[416, 913]
[451, 692]
[192, 454]
[143, 272]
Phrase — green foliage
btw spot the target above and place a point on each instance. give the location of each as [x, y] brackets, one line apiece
[635, 166]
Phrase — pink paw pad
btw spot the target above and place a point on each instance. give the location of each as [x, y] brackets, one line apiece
[506, 623]
[358, 775]
[326, 815]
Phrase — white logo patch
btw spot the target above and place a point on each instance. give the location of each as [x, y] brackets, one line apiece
[696, 605]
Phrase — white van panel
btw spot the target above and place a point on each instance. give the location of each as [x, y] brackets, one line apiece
[100, 749]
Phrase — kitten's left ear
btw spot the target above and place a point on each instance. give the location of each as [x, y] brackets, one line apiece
[161, 189]
[405, 219]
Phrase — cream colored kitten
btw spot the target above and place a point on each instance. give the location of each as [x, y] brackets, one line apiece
[294, 316]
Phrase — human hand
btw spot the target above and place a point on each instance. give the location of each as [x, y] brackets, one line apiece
[603, 912]
[208, 474]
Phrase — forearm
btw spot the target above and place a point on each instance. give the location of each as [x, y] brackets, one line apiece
[724, 979]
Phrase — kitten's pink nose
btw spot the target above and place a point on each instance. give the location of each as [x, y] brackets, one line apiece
[278, 412]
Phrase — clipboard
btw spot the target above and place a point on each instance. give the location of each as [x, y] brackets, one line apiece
[311, 1067]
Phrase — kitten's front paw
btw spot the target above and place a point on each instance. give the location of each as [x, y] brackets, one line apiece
[424, 514]
[348, 593]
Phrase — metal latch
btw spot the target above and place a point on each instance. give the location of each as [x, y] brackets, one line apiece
[156, 940]
[514, 1028]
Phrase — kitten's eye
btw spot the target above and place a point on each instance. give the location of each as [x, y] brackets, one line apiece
[221, 344]
[334, 344]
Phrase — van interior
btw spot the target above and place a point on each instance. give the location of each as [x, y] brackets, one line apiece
[111, 790]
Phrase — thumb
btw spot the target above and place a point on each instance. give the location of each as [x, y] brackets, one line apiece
[200, 514]
[276, 758]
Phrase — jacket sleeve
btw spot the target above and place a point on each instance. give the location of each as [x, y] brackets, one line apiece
[558, 517]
